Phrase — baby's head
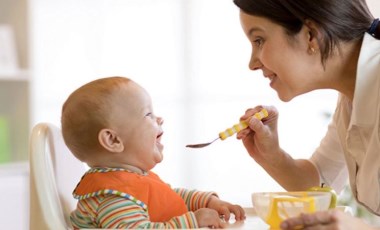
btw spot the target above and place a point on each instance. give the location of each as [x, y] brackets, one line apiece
[110, 122]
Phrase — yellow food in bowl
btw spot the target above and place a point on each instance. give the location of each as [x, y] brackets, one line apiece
[274, 207]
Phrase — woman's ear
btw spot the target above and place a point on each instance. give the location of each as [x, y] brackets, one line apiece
[313, 35]
[110, 140]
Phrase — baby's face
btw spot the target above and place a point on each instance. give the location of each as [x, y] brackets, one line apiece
[138, 127]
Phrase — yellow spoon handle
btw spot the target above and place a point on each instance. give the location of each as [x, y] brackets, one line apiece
[242, 125]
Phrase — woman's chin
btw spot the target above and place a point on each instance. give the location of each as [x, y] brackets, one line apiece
[284, 98]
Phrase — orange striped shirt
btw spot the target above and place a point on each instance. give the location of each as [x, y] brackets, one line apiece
[117, 209]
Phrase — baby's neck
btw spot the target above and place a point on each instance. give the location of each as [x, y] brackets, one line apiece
[127, 167]
[134, 169]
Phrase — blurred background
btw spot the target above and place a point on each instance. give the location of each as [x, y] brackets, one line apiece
[191, 56]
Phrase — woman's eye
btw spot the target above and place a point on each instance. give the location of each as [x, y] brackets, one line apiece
[258, 42]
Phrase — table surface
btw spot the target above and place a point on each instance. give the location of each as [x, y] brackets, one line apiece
[253, 222]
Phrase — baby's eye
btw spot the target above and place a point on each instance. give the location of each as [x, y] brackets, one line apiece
[151, 115]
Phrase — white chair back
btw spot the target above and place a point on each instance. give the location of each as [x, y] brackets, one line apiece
[54, 173]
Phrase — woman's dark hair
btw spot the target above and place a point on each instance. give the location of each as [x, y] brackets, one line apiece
[338, 20]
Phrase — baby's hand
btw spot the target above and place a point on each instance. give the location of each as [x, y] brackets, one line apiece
[208, 218]
[224, 208]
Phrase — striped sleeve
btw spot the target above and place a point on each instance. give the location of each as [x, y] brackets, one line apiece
[194, 199]
[117, 212]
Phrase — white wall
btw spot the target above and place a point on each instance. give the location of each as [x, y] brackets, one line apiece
[14, 199]
[193, 59]
[374, 6]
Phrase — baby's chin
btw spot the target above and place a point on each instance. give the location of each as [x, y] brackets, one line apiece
[159, 157]
[160, 149]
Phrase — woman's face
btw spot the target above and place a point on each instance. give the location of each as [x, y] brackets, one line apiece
[286, 61]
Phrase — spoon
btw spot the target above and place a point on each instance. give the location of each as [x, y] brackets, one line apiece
[231, 131]
[202, 145]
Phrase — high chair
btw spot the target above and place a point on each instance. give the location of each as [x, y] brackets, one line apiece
[54, 173]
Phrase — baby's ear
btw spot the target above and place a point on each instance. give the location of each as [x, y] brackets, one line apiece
[110, 140]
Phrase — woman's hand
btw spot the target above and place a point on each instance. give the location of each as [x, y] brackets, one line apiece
[225, 209]
[331, 220]
[261, 137]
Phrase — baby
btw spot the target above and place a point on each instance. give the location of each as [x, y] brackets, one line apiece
[109, 124]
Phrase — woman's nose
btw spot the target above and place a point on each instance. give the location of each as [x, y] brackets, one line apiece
[254, 63]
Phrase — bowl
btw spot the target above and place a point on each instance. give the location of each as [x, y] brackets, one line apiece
[274, 207]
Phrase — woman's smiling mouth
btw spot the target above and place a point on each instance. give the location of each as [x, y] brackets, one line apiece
[272, 78]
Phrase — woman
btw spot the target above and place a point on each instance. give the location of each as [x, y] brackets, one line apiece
[301, 46]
